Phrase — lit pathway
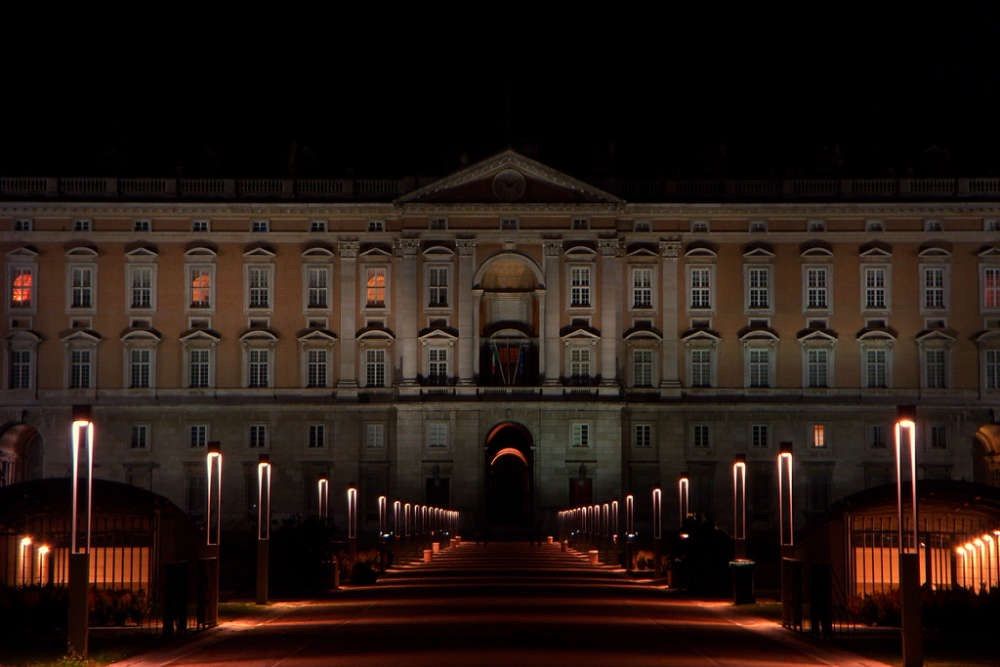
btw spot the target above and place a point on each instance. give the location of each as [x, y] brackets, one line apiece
[508, 604]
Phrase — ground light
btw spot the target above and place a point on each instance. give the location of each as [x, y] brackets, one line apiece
[614, 521]
[397, 512]
[382, 516]
[43, 555]
[909, 541]
[263, 526]
[406, 519]
[213, 529]
[24, 561]
[79, 559]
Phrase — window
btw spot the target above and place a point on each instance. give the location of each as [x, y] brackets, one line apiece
[20, 369]
[317, 436]
[142, 226]
[874, 226]
[376, 225]
[875, 288]
[375, 368]
[509, 224]
[758, 227]
[876, 437]
[991, 225]
[933, 284]
[316, 368]
[934, 369]
[375, 288]
[437, 296]
[580, 224]
[140, 287]
[759, 436]
[816, 226]
[939, 437]
[699, 227]
[876, 369]
[992, 369]
[642, 226]
[259, 367]
[438, 224]
[199, 226]
[22, 225]
[991, 287]
[816, 288]
[200, 284]
[759, 361]
[82, 295]
[817, 368]
[701, 368]
[642, 288]
[259, 226]
[642, 436]
[22, 287]
[258, 436]
[198, 436]
[375, 436]
[932, 226]
[317, 226]
[437, 435]
[580, 435]
[579, 362]
[819, 436]
[140, 436]
[758, 286]
[140, 367]
[80, 369]
[701, 288]
[259, 281]
[642, 367]
[198, 364]
[579, 280]
[437, 363]
[318, 280]
[700, 436]
[81, 225]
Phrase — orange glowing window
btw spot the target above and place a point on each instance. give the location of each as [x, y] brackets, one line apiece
[819, 435]
[375, 286]
[201, 286]
[21, 285]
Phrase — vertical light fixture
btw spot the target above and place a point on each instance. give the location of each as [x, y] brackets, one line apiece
[909, 540]
[82, 433]
[786, 512]
[614, 518]
[960, 569]
[683, 497]
[213, 500]
[406, 519]
[352, 513]
[323, 497]
[383, 517]
[629, 515]
[606, 520]
[43, 555]
[24, 561]
[740, 503]
[397, 517]
[263, 527]
[657, 500]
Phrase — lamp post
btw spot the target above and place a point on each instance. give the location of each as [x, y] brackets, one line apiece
[909, 540]
[323, 498]
[629, 529]
[352, 520]
[43, 553]
[657, 517]
[263, 526]
[614, 521]
[79, 556]
[683, 499]
[791, 571]
[407, 509]
[740, 504]
[397, 512]
[213, 529]
[24, 562]
[383, 517]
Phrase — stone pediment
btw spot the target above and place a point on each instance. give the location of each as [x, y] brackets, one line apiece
[508, 178]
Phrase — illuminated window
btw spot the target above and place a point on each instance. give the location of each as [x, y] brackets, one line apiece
[875, 288]
[642, 288]
[437, 296]
[580, 435]
[375, 288]
[259, 367]
[200, 281]
[817, 367]
[818, 436]
[374, 368]
[140, 436]
[80, 369]
[140, 367]
[642, 367]
[317, 436]
[20, 369]
[759, 436]
[700, 297]
[642, 436]
[933, 288]
[316, 368]
[437, 434]
[82, 287]
[816, 288]
[198, 436]
[198, 367]
[991, 287]
[259, 281]
[22, 284]
[140, 287]
[579, 295]
[318, 278]
[258, 436]
[374, 436]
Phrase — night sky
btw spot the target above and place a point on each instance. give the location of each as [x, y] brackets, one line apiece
[832, 91]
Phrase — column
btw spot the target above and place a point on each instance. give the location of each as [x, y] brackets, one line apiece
[466, 327]
[670, 348]
[553, 310]
[348, 315]
[407, 308]
[610, 304]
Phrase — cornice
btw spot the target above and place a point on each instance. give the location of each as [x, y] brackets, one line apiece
[138, 209]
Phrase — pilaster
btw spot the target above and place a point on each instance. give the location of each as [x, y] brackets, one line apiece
[348, 383]
[407, 309]
[670, 383]
[553, 309]
[610, 305]
[466, 326]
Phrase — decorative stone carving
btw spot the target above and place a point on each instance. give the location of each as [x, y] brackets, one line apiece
[670, 249]
[348, 249]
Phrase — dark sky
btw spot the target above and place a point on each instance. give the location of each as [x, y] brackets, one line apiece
[835, 90]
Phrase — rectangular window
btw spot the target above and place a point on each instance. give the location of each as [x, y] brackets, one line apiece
[83, 287]
[20, 369]
[758, 436]
[993, 369]
[991, 287]
[142, 226]
[700, 436]
[198, 436]
[642, 288]
[642, 367]
[258, 436]
[701, 288]
[317, 226]
[259, 280]
[437, 361]
[260, 226]
[509, 224]
[933, 288]
[934, 369]
[140, 436]
[875, 288]
[758, 279]
[375, 368]
[580, 224]
[79, 369]
[437, 296]
[760, 367]
[141, 286]
[437, 435]
[817, 362]
[579, 280]
[438, 224]
[22, 287]
[579, 362]
[375, 288]
[258, 371]
[140, 367]
[199, 225]
[22, 225]
[318, 278]
[317, 436]
[642, 436]
[374, 436]
[816, 288]
[876, 437]
[819, 436]
[198, 368]
[876, 369]
[376, 225]
[580, 435]
[939, 437]
[316, 368]
[200, 280]
[701, 368]
[81, 225]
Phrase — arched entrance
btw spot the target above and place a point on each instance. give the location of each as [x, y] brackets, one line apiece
[20, 454]
[510, 481]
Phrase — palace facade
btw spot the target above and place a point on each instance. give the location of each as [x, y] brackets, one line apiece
[506, 340]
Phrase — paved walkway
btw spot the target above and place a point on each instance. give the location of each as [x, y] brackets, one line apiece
[506, 604]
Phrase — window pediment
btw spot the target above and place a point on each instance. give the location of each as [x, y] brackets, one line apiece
[580, 249]
[940, 336]
[81, 251]
[259, 250]
[935, 250]
[89, 336]
[438, 250]
[758, 250]
[817, 336]
[198, 334]
[432, 334]
[259, 335]
[701, 335]
[24, 336]
[140, 250]
[875, 249]
[989, 251]
[577, 331]
[318, 249]
[316, 336]
[815, 249]
[642, 333]
[199, 250]
[375, 333]
[701, 249]
[375, 250]
[25, 252]
[641, 250]
[758, 334]
[877, 333]
[141, 335]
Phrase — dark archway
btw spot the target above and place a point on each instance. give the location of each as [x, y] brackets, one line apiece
[510, 484]
[20, 453]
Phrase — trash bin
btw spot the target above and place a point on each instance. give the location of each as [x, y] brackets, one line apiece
[742, 569]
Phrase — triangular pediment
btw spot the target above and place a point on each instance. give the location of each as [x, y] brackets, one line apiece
[508, 178]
